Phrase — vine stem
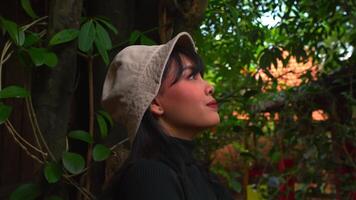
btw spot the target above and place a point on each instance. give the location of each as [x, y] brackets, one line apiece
[17, 139]
[119, 143]
[37, 127]
[27, 26]
[22, 140]
[83, 191]
[33, 127]
[91, 121]
[4, 58]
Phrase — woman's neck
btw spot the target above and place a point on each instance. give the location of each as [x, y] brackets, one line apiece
[179, 132]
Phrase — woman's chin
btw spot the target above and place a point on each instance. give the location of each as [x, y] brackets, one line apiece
[214, 121]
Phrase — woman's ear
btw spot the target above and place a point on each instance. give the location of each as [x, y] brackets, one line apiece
[156, 108]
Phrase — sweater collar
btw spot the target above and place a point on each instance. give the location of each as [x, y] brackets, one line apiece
[185, 148]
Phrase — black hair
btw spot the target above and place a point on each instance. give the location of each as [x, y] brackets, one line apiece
[175, 57]
[150, 141]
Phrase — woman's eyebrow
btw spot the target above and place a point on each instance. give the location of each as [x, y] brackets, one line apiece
[188, 67]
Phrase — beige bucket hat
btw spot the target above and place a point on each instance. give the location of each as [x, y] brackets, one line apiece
[134, 78]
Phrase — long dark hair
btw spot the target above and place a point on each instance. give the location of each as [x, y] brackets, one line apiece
[151, 142]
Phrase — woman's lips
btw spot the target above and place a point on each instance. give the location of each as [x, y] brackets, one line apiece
[213, 104]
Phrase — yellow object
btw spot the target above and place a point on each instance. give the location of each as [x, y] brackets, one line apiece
[255, 194]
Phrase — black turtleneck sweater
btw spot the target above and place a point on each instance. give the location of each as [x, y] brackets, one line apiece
[155, 180]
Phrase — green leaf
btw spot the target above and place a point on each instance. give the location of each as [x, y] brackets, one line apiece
[73, 162]
[102, 51]
[235, 185]
[102, 126]
[5, 112]
[81, 135]
[106, 116]
[50, 59]
[37, 55]
[26, 5]
[134, 37]
[64, 36]
[108, 24]
[146, 40]
[101, 152]
[27, 191]
[16, 34]
[31, 39]
[103, 37]
[86, 36]
[14, 91]
[24, 57]
[52, 172]
[18, 37]
[276, 156]
[41, 56]
[21, 38]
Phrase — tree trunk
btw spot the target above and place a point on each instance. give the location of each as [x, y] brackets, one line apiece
[53, 88]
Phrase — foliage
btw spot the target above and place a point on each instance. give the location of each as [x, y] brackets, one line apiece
[35, 49]
[26, 191]
[237, 45]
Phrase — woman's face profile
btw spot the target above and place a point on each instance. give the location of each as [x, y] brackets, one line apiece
[187, 106]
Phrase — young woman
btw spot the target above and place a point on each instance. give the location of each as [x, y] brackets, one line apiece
[159, 95]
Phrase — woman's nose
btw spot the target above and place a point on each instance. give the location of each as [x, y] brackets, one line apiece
[209, 90]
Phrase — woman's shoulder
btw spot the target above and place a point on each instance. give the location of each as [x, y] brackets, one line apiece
[149, 168]
[151, 179]
[149, 163]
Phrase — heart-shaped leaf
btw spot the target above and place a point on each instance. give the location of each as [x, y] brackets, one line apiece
[14, 92]
[52, 172]
[31, 39]
[27, 191]
[41, 56]
[101, 152]
[50, 59]
[73, 162]
[37, 55]
[81, 135]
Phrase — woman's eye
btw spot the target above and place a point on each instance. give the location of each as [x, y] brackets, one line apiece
[191, 77]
